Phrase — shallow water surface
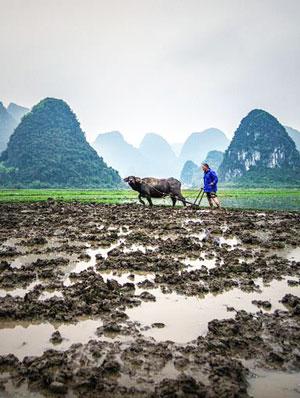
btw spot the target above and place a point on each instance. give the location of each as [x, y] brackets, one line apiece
[82, 265]
[292, 254]
[198, 263]
[23, 338]
[274, 384]
[27, 259]
[19, 292]
[125, 277]
[168, 371]
[186, 318]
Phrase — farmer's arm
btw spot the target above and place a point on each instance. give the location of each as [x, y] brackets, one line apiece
[214, 178]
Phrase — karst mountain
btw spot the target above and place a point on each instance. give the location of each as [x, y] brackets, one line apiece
[49, 150]
[197, 145]
[261, 152]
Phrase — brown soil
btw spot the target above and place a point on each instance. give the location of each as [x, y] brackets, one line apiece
[62, 263]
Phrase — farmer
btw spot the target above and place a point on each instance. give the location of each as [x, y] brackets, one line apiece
[210, 186]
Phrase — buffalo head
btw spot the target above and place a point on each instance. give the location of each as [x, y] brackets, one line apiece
[131, 180]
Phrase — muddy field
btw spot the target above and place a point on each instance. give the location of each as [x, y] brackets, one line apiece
[126, 301]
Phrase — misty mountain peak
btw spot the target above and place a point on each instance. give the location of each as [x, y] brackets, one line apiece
[49, 149]
[199, 144]
[155, 144]
[295, 135]
[111, 136]
[7, 125]
[2, 107]
[259, 143]
[17, 111]
[151, 138]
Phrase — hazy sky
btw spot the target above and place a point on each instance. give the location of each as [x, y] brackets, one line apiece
[165, 66]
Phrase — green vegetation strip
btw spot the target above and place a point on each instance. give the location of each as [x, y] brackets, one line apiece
[268, 199]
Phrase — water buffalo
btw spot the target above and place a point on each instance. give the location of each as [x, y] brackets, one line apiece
[156, 188]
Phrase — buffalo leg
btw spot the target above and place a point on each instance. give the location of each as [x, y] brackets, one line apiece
[149, 200]
[181, 198]
[173, 200]
[141, 200]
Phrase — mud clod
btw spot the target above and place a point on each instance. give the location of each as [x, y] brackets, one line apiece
[56, 338]
[264, 304]
[58, 388]
[158, 325]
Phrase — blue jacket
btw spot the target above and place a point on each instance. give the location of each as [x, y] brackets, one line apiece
[210, 177]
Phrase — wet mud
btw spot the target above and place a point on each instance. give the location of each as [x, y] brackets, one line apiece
[127, 301]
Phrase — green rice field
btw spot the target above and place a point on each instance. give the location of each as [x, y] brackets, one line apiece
[264, 199]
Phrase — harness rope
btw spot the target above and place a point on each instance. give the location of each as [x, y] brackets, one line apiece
[162, 193]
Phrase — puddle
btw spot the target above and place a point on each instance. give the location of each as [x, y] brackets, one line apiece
[80, 266]
[292, 254]
[186, 318]
[73, 266]
[103, 251]
[29, 338]
[48, 295]
[125, 277]
[141, 248]
[228, 241]
[232, 242]
[19, 292]
[200, 236]
[224, 228]
[266, 384]
[124, 230]
[14, 243]
[198, 263]
[12, 391]
[165, 237]
[27, 259]
[167, 372]
[192, 221]
[263, 235]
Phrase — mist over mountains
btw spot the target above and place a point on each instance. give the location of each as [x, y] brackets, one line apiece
[9, 119]
[155, 157]
[192, 174]
[17, 111]
[48, 139]
[295, 135]
[197, 145]
[118, 153]
[177, 146]
[159, 155]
